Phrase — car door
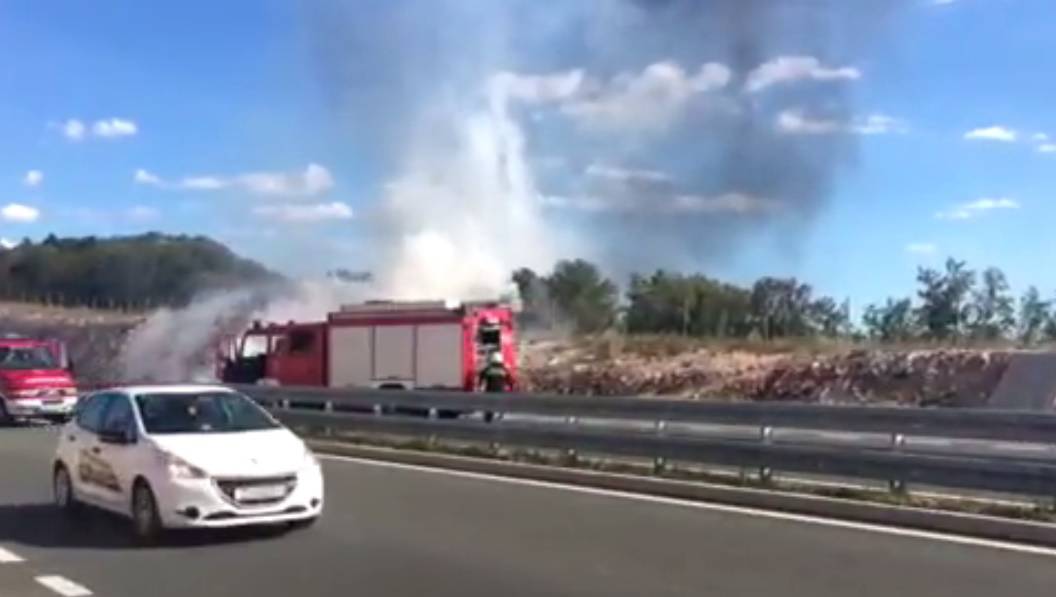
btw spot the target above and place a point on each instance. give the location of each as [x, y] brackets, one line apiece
[115, 452]
[80, 445]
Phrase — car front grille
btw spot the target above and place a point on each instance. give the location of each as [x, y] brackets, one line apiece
[231, 487]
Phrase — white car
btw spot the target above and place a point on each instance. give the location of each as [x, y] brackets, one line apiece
[185, 457]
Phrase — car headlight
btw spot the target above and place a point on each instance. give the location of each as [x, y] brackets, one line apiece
[181, 469]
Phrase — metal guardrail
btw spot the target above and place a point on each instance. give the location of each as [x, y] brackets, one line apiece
[365, 410]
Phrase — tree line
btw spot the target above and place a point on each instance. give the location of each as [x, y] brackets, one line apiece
[951, 303]
[143, 271]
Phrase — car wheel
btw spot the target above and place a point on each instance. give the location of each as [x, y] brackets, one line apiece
[62, 491]
[146, 523]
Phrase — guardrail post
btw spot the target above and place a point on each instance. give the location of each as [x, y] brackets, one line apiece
[766, 437]
[433, 416]
[659, 465]
[378, 410]
[570, 453]
[898, 441]
[328, 408]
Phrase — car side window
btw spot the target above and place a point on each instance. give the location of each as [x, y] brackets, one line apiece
[118, 414]
[90, 414]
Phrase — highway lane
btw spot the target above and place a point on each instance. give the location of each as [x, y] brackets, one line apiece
[399, 531]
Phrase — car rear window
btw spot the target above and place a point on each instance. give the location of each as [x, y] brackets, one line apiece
[207, 412]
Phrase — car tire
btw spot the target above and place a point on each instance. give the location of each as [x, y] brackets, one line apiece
[146, 522]
[62, 491]
[6, 420]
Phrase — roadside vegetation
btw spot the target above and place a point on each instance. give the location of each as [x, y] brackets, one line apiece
[123, 272]
[669, 312]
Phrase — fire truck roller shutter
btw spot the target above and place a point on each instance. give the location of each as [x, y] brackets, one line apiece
[439, 355]
[394, 353]
[350, 356]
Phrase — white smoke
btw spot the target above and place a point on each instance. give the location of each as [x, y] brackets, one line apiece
[179, 345]
[463, 214]
[466, 212]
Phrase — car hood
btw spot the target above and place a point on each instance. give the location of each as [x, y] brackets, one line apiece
[18, 379]
[243, 454]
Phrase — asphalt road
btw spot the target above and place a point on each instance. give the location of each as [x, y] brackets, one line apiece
[399, 531]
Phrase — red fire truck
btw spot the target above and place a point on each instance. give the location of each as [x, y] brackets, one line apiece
[36, 379]
[378, 344]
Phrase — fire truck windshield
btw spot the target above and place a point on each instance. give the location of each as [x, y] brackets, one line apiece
[26, 357]
[254, 345]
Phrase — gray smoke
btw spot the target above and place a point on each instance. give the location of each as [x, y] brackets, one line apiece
[642, 133]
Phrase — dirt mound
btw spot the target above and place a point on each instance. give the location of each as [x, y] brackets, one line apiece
[919, 377]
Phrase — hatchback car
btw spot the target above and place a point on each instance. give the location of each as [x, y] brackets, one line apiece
[185, 457]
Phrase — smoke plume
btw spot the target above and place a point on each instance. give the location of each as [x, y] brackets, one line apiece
[520, 132]
[179, 345]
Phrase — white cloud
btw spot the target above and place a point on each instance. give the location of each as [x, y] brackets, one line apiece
[943, 2]
[16, 212]
[650, 100]
[880, 124]
[967, 211]
[315, 179]
[795, 122]
[144, 177]
[993, 133]
[1047, 148]
[33, 178]
[789, 69]
[614, 173]
[1040, 137]
[301, 213]
[921, 248]
[73, 129]
[204, 183]
[536, 89]
[6, 243]
[728, 203]
[114, 127]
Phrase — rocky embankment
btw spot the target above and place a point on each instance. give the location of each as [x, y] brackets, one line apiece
[94, 338]
[929, 377]
[923, 377]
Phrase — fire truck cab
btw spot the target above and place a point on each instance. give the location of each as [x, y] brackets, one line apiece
[379, 344]
[36, 379]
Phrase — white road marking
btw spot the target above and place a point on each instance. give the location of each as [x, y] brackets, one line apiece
[63, 586]
[743, 510]
[9, 557]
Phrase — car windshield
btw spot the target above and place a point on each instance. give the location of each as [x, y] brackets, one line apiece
[207, 412]
[26, 357]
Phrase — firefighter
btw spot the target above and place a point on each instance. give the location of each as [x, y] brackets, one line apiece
[494, 377]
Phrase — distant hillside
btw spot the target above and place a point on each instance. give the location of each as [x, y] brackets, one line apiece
[143, 271]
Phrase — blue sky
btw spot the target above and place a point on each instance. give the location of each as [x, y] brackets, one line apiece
[261, 125]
